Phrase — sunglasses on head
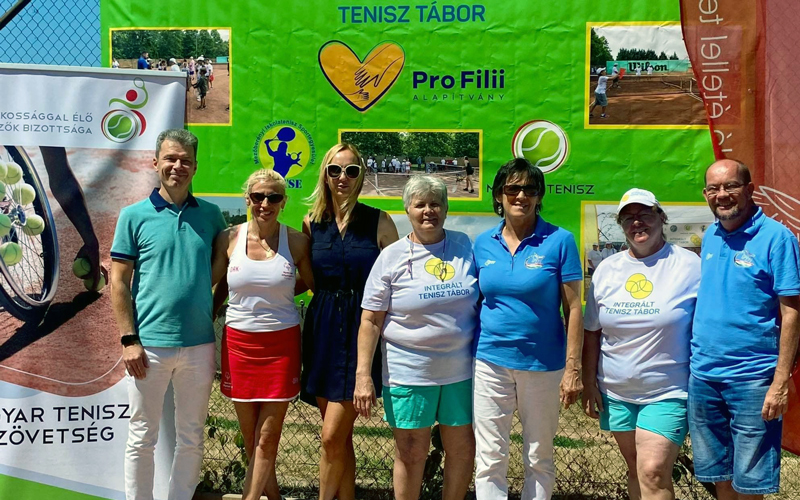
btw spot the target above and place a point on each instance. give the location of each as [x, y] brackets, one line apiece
[272, 199]
[514, 189]
[351, 171]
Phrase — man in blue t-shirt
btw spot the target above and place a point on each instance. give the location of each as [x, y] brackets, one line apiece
[161, 296]
[142, 62]
[744, 339]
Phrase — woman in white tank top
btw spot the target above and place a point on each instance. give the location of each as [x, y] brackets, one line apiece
[261, 344]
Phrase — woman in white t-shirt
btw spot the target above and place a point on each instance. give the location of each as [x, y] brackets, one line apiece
[261, 344]
[638, 324]
[421, 301]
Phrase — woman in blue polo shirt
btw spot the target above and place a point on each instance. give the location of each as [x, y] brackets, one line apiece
[524, 358]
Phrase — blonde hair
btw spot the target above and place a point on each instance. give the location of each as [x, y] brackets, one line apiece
[322, 200]
[264, 175]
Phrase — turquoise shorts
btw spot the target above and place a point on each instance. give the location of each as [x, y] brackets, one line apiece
[666, 418]
[419, 406]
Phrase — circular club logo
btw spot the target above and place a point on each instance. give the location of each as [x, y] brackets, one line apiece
[639, 286]
[286, 147]
[543, 143]
[121, 124]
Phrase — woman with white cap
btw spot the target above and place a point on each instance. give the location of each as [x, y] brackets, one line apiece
[638, 323]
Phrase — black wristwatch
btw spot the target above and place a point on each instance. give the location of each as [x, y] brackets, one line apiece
[129, 340]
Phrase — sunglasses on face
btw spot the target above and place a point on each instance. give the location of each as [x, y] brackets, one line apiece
[351, 171]
[272, 199]
[514, 189]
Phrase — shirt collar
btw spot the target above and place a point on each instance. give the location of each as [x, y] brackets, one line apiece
[540, 231]
[160, 203]
[750, 226]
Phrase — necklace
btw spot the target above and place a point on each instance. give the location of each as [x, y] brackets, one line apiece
[262, 243]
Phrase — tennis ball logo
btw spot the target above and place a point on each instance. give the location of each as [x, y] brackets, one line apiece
[120, 125]
[638, 286]
[440, 270]
[543, 143]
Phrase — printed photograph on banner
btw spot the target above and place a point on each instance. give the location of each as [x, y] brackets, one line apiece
[393, 156]
[639, 74]
[602, 236]
[58, 212]
[202, 53]
[472, 225]
[232, 207]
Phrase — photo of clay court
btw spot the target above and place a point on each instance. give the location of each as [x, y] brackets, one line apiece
[57, 330]
[392, 157]
[203, 54]
[640, 75]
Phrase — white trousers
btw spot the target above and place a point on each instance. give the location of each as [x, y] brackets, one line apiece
[497, 392]
[191, 371]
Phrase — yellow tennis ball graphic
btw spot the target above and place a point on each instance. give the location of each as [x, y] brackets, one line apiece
[11, 253]
[23, 194]
[638, 286]
[13, 173]
[5, 225]
[34, 225]
[696, 240]
[430, 266]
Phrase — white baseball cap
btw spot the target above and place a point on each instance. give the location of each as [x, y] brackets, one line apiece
[172, 60]
[600, 70]
[615, 64]
[640, 196]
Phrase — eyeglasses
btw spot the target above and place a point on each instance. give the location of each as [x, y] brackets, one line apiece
[648, 217]
[351, 171]
[272, 199]
[730, 188]
[514, 189]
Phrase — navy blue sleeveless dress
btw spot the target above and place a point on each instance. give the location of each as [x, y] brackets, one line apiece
[330, 332]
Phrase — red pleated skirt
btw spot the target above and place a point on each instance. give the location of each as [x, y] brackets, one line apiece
[262, 366]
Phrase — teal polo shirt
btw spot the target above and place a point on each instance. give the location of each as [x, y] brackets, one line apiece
[170, 247]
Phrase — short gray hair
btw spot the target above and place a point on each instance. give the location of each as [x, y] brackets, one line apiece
[422, 186]
[179, 135]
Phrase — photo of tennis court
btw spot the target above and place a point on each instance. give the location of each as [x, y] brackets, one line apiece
[393, 156]
[640, 74]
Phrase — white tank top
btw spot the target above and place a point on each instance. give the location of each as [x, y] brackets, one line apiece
[261, 292]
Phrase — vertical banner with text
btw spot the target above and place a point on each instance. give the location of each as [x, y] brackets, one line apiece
[76, 146]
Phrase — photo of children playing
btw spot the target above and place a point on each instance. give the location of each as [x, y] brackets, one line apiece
[202, 54]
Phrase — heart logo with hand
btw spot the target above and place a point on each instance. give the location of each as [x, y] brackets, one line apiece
[361, 83]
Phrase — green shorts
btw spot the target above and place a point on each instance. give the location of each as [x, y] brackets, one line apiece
[419, 406]
[666, 418]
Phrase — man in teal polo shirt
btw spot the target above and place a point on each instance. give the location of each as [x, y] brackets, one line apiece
[744, 339]
[161, 296]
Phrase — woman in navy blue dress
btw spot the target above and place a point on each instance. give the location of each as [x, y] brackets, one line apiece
[346, 238]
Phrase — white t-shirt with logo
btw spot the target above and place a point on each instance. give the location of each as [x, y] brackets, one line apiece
[430, 295]
[645, 309]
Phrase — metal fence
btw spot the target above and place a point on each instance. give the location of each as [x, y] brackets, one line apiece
[62, 32]
[588, 463]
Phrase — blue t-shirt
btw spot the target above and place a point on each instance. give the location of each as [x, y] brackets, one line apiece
[521, 326]
[736, 330]
[142, 63]
[171, 251]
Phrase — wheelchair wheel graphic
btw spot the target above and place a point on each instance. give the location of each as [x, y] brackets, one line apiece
[29, 263]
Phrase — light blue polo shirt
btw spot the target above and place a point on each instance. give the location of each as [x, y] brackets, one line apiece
[521, 325]
[171, 251]
[736, 331]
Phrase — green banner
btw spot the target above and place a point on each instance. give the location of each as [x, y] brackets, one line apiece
[419, 86]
